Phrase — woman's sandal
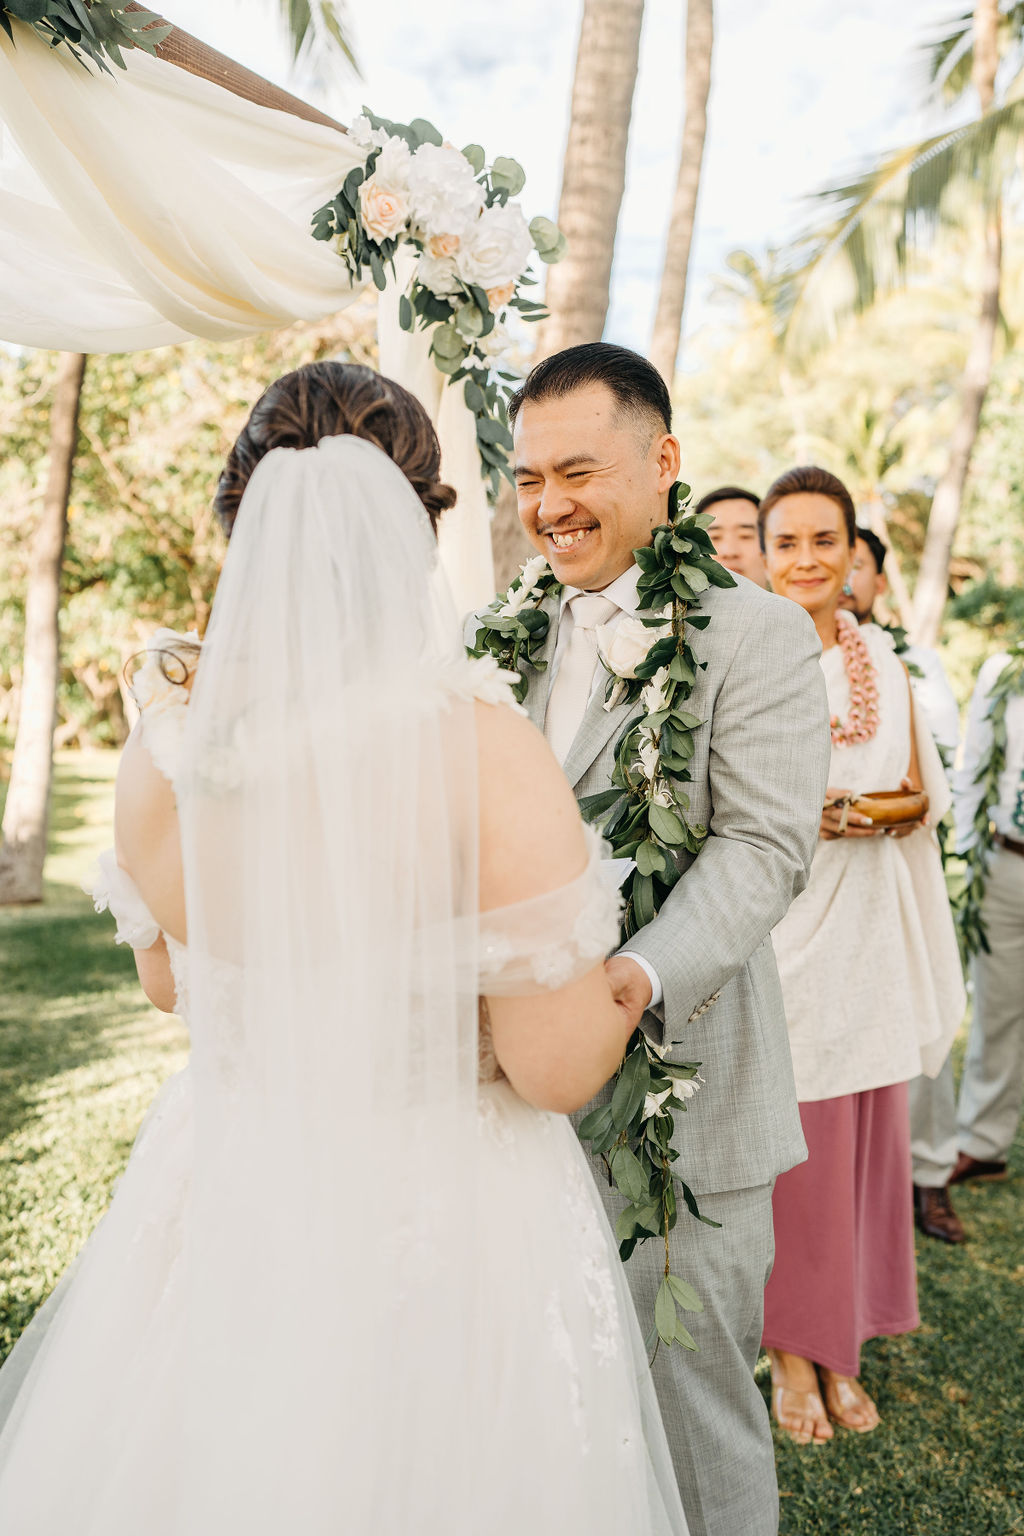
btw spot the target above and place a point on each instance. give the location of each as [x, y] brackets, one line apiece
[848, 1404]
[800, 1412]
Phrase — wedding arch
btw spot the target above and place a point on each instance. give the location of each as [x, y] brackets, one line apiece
[153, 191]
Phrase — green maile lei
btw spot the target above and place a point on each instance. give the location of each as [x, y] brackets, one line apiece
[643, 818]
[970, 923]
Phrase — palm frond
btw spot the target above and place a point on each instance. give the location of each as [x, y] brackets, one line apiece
[318, 34]
[893, 210]
[949, 58]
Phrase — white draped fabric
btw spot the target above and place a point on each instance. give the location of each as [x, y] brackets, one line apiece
[155, 206]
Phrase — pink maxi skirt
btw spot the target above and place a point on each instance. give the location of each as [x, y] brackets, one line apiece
[844, 1232]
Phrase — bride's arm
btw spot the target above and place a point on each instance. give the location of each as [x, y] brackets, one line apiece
[146, 844]
[557, 1048]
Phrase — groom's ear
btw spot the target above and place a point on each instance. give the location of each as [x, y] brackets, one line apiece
[668, 457]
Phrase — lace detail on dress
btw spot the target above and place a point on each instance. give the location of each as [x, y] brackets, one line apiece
[544, 943]
[113, 888]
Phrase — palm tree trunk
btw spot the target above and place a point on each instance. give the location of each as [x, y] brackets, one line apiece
[594, 172]
[668, 321]
[26, 816]
[933, 578]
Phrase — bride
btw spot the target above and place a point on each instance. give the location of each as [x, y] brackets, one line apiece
[356, 1277]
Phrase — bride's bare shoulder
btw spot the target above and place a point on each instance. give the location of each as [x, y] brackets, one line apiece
[531, 835]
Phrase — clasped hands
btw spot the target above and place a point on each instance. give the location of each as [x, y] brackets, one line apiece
[838, 819]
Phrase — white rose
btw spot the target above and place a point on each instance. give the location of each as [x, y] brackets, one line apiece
[625, 645]
[385, 212]
[496, 248]
[444, 193]
[444, 245]
[364, 135]
[497, 341]
[438, 274]
[393, 165]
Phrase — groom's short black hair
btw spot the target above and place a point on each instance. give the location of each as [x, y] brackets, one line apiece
[637, 385]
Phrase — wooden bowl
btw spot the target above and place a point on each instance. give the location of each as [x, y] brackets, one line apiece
[892, 807]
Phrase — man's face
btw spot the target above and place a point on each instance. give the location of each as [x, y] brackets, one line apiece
[590, 483]
[734, 535]
[867, 582]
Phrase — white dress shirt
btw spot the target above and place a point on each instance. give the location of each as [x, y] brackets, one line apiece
[622, 592]
[1007, 812]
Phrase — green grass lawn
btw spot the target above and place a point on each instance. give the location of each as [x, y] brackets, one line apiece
[82, 1054]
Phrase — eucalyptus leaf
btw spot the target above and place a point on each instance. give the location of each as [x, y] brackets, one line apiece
[508, 176]
[665, 1313]
[684, 1293]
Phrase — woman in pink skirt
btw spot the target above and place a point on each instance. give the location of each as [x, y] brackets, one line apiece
[871, 979]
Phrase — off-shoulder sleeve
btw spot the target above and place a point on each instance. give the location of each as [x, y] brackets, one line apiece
[544, 943]
[112, 887]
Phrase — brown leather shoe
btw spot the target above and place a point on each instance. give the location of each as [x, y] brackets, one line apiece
[935, 1216]
[973, 1168]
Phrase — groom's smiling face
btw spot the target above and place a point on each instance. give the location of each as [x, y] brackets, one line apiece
[592, 481]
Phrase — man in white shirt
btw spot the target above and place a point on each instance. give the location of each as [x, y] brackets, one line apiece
[932, 1100]
[992, 1090]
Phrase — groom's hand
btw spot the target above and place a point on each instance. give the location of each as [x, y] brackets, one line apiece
[631, 988]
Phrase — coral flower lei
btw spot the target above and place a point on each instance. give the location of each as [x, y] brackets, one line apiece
[862, 721]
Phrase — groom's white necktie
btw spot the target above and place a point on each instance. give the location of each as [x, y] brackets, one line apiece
[570, 692]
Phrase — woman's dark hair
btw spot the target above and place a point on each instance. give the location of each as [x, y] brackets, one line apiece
[326, 400]
[638, 387]
[809, 479]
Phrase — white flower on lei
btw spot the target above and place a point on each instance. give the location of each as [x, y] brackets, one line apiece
[517, 598]
[444, 193]
[686, 1087]
[654, 1101]
[650, 757]
[623, 646]
[653, 696]
[496, 248]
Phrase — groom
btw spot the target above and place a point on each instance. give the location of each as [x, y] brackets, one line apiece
[595, 460]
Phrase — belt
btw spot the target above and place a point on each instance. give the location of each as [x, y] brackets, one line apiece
[1009, 843]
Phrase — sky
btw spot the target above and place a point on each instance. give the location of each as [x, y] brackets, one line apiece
[802, 92]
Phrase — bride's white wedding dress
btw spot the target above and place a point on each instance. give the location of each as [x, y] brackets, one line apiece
[430, 1335]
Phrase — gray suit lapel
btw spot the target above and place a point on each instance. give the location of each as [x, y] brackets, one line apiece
[597, 728]
[540, 682]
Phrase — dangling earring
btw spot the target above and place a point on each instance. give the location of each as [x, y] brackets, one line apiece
[847, 589]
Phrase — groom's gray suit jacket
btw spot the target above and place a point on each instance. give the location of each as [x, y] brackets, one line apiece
[759, 776]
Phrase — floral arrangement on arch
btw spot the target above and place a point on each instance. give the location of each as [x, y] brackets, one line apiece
[473, 245]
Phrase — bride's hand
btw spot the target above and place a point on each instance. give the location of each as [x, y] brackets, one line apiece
[838, 820]
[631, 988]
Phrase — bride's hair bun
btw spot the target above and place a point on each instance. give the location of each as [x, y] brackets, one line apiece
[325, 400]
